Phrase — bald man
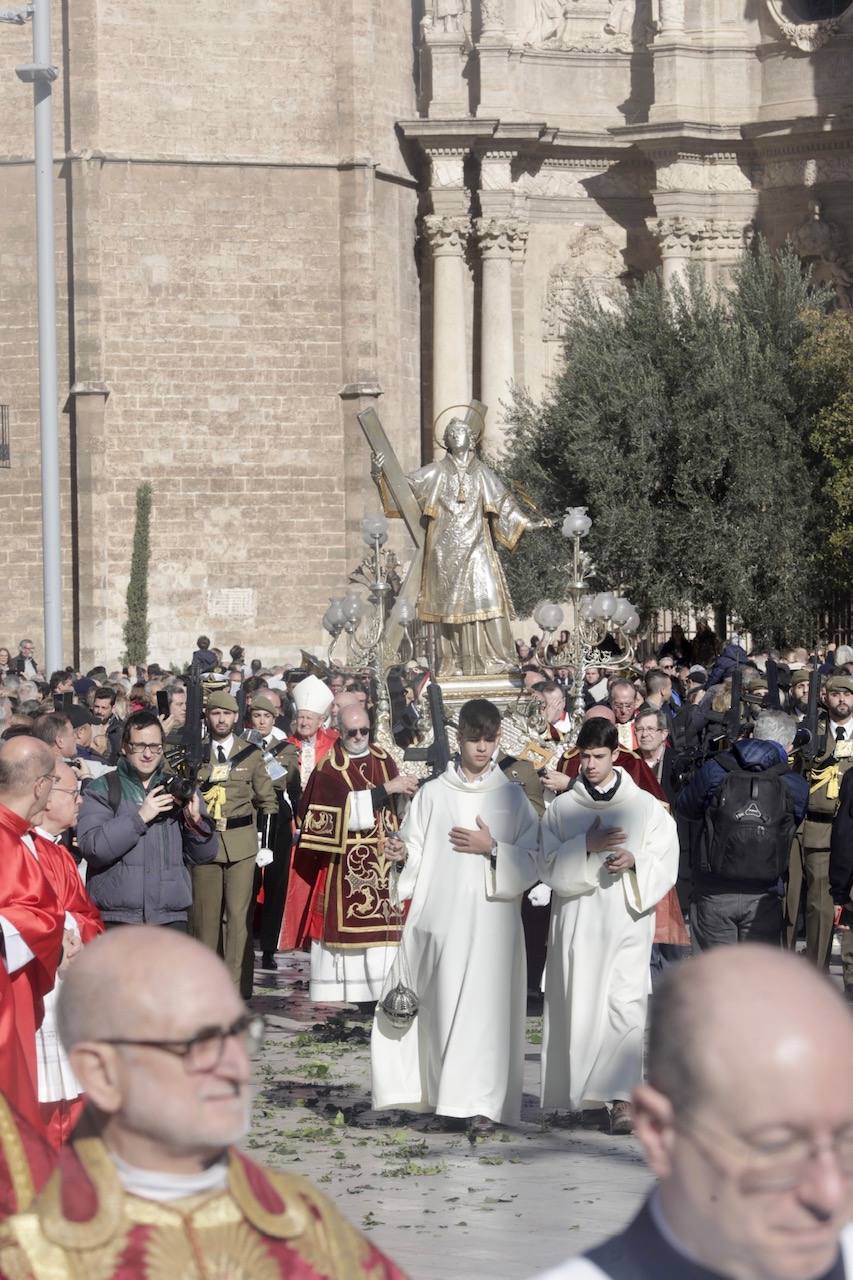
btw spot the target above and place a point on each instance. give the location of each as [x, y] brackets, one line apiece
[747, 1122]
[160, 1040]
[32, 921]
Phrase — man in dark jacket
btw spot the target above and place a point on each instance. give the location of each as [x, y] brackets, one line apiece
[728, 909]
[137, 839]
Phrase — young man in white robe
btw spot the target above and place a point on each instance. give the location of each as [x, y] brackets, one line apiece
[610, 854]
[462, 1057]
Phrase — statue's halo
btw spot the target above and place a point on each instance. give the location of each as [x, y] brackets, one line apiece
[469, 411]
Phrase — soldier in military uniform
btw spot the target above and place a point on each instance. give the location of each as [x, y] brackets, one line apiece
[282, 764]
[236, 788]
[834, 758]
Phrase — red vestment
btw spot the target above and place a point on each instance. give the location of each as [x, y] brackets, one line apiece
[61, 870]
[338, 887]
[28, 902]
[669, 919]
[263, 1224]
[26, 1161]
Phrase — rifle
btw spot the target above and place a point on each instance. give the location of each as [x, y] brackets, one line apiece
[186, 759]
[808, 749]
[732, 718]
[437, 754]
[772, 700]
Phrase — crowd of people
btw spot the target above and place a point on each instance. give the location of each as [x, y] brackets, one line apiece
[701, 803]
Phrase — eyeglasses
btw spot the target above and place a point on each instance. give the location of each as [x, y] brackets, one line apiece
[776, 1166]
[140, 748]
[66, 791]
[357, 733]
[203, 1051]
[51, 777]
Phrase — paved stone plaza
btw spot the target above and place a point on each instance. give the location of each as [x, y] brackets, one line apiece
[442, 1208]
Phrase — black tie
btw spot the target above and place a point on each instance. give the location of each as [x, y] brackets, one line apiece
[840, 734]
[220, 754]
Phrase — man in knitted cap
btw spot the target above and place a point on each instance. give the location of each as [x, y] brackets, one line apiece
[313, 700]
[236, 789]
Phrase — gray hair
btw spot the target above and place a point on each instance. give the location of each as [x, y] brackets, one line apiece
[775, 726]
[646, 713]
[843, 655]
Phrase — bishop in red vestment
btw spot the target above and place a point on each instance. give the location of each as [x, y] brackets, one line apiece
[338, 900]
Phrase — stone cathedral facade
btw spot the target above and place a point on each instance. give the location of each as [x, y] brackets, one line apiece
[272, 215]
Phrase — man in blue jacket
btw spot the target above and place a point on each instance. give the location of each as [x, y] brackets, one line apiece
[137, 840]
[750, 802]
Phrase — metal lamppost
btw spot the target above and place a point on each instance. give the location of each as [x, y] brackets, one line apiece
[595, 615]
[40, 73]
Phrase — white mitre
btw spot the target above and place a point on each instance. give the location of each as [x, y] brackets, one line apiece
[312, 695]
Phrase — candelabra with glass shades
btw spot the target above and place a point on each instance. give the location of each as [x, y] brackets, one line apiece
[595, 616]
[351, 613]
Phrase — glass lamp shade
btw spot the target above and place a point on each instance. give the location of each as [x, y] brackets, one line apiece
[335, 612]
[631, 623]
[374, 528]
[586, 609]
[328, 625]
[405, 613]
[353, 607]
[537, 611]
[605, 603]
[550, 616]
[622, 610]
[576, 522]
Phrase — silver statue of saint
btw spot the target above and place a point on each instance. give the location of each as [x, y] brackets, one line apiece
[463, 590]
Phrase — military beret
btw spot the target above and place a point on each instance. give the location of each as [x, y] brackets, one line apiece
[262, 703]
[838, 682]
[799, 675]
[222, 701]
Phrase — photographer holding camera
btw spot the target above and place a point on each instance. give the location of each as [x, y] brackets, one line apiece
[139, 827]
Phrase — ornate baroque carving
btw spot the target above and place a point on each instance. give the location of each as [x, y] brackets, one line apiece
[446, 167]
[703, 174]
[492, 15]
[806, 36]
[446, 233]
[819, 238]
[680, 236]
[447, 17]
[805, 171]
[566, 178]
[585, 26]
[593, 260]
[502, 237]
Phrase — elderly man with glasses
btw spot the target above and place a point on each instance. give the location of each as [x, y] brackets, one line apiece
[337, 895]
[152, 1185]
[746, 1120]
[137, 838]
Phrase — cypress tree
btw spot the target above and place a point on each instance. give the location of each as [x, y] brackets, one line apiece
[136, 625]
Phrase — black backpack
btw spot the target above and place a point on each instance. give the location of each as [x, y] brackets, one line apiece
[749, 824]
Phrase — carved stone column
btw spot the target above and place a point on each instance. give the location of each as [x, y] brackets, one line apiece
[447, 236]
[715, 243]
[501, 239]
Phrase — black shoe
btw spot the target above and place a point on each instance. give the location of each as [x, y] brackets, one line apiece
[621, 1118]
[268, 960]
[480, 1127]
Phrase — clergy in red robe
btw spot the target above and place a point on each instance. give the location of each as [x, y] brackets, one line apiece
[60, 1101]
[31, 919]
[338, 899]
[313, 742]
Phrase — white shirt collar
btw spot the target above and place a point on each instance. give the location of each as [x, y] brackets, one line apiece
[475, 782]
[847, 727]
[148, 1184]
[225, 743]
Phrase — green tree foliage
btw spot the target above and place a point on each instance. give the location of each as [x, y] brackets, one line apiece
[825, 364]
[680, 421]
[136, 625]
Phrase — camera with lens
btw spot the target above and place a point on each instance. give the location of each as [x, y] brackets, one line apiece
[181, 789]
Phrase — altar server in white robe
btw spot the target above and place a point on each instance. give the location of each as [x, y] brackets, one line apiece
[469, 842]
[610, 853]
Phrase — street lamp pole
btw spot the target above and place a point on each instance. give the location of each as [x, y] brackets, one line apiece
[41, 74]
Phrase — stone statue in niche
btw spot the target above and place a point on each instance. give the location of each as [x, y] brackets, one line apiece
[446, 17]
[585, 26]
